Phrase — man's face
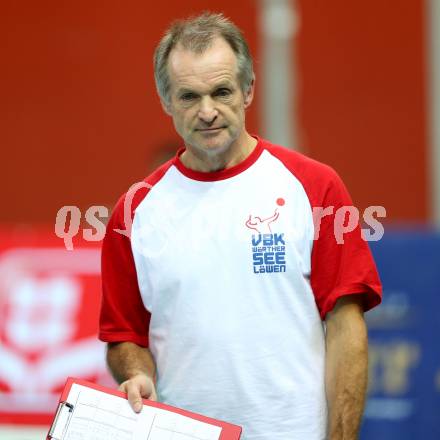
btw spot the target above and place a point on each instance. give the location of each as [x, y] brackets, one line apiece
[206, 101]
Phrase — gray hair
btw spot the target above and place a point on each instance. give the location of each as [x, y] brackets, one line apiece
[197, 34]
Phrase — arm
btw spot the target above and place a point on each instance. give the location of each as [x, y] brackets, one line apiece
[346, 367]
[133, 368]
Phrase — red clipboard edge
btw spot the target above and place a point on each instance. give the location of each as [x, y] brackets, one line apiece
[229, 430]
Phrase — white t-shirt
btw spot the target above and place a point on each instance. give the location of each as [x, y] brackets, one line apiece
[224, 280]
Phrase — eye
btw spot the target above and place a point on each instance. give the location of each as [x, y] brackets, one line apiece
[189, 96]
[222, 92]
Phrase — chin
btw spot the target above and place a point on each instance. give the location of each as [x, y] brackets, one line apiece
[216, 149]
[213, 147]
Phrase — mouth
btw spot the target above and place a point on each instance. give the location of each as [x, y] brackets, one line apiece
[210, 129]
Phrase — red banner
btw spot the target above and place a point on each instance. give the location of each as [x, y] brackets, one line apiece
[49, 305]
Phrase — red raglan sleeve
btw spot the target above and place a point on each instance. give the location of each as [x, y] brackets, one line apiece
[342, 263]
[123, 316]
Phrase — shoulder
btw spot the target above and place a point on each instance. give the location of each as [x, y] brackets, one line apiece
[130, 200]
[318, 179]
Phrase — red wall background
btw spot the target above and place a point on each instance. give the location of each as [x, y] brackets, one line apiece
[80, 120]
[80, 116]
[362, 68]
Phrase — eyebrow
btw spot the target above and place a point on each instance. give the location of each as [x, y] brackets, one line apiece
[222, 85]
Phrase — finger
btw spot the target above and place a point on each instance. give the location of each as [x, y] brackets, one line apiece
[148, 390]
[153, 396]
[134, 397]
[122, 387]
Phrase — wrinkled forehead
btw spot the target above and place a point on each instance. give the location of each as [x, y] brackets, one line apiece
[217, 60]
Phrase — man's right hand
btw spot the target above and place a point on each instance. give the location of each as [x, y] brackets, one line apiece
[138, 387]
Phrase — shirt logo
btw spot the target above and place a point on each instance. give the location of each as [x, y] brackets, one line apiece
[268, 247]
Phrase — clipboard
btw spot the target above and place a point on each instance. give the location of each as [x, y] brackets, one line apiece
[75, 409]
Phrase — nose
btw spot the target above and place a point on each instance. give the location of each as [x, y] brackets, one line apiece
[207, 111]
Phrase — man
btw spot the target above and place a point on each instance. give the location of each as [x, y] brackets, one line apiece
[217, 302]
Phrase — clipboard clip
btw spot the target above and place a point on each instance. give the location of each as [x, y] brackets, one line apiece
[61, 420]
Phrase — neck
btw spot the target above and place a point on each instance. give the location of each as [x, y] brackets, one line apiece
[236, 153]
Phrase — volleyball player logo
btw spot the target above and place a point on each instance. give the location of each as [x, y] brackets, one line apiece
[268, 248]
[262, 226]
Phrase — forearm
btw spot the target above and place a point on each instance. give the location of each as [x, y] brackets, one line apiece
[346, 376]
[126, 360]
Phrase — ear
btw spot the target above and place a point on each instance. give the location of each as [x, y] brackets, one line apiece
[249, 94]
[166, 106]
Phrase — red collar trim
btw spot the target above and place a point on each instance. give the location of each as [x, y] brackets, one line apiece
[221, 174]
